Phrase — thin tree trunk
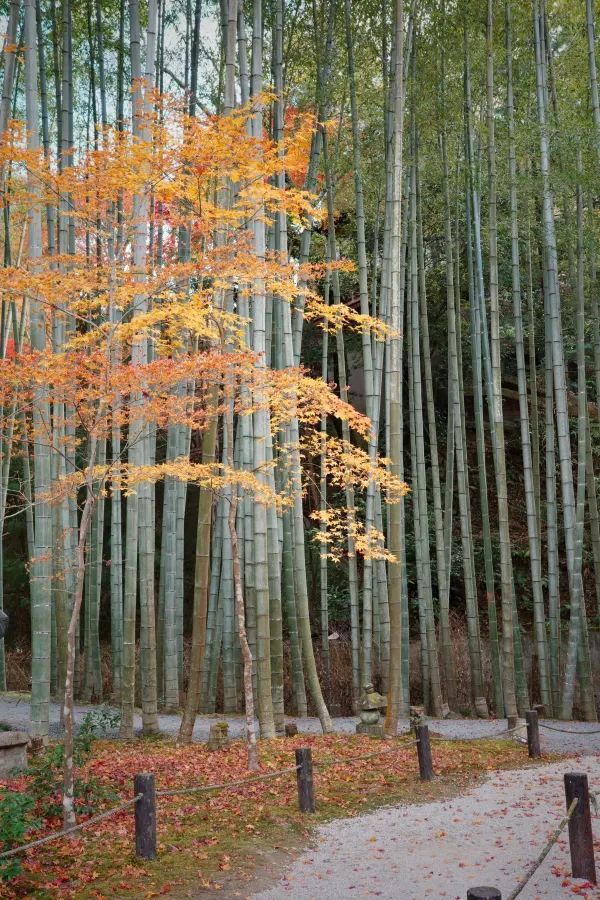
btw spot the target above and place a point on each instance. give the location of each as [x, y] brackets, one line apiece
[253, 763]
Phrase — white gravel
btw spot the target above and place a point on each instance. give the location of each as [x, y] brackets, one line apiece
[582, 737]
[488, 836]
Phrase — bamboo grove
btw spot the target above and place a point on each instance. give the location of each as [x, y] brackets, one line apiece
[300, 300]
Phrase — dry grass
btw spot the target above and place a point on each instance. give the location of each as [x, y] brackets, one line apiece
[337, 684]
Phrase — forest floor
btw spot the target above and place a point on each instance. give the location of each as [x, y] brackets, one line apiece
[389, 826]
[486, 836]
[221, 840]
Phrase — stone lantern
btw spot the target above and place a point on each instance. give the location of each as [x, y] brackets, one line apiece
[372, 705]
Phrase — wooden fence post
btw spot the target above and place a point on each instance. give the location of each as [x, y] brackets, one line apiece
[145, 816]
[484, 893]
[581, 839]
[424, 753]
[306, 788]
[533, 733]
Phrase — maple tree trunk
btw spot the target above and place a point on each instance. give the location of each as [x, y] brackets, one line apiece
[68, 712]
[253, 763]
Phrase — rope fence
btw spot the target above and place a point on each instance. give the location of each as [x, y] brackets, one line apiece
[568, 730]
[542, 856]
[578, 815]
[352, 759]
[66, 831]
[146, 795]
[482, 737]
[204, 788]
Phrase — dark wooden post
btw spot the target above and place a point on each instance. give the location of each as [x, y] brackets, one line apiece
[484, 893]
[424, 753]
[145, 816]
[533, 733]
[581, 839]
[306, 787]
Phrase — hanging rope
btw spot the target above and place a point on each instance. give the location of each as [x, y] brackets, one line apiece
[65, 831]
[352, 759]
[569, 730]
[540, 859]
[203, 788]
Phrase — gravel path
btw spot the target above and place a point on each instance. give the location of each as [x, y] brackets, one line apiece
[487, 836]
[582, 737]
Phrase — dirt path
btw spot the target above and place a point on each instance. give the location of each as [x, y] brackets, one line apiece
[488, 836]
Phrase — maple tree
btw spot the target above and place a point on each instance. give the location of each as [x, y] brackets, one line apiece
[146, 346]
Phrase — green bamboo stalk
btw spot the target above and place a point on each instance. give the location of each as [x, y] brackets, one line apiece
[260, 417]
[343, 388]
[41, 566]
[551, 520]
[532, 380]
[206, 700]
[558, 367]
[588, 701]
[367, 357]
[394, 384]
[474, 641]
[275, 607]
[324, 598]
[420, 483]
[594, 517]
[226, 600]
[496, 411]
[289, 600]
[535, 555]
[446, 650]
[140, 507]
